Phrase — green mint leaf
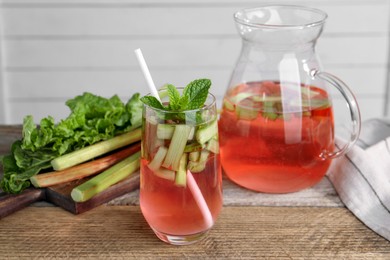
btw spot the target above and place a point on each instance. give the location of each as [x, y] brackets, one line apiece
[197, 92]
[152, 102]
[183, 103]
[174, 97]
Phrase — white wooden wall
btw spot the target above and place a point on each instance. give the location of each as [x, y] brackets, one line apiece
[53, 50]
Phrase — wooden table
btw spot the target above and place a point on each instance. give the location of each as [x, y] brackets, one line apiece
[311, 224]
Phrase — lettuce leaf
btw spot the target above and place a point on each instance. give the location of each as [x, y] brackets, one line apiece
[92, 119]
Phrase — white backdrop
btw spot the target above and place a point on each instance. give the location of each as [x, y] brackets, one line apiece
[53, 50]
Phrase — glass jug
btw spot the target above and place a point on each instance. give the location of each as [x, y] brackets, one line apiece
[277, 122]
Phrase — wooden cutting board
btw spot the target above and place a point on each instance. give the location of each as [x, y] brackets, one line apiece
[60, 196]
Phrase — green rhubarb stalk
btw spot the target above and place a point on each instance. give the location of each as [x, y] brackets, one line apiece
[269, 110]
[228, 105]
[270, 115]
[176, 147]
[181, 174]
[308, 92]
[158, 158]
[194, 156]
[206, 133]
[106, 179]
[165, 174]
[241, 96]
[82, 170]
[95, 150]
[204, 155]
[155, 165]
[213, 146]
[165, 131]
[193, 147]
[246, 113]
[199, 165]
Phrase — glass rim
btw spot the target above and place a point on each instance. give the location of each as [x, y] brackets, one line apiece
[205, 107]
[247, 22]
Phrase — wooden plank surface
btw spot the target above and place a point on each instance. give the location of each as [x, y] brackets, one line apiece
[10, 203]
[321, 195]
[310, 224]
[240, 232]
[9, 134]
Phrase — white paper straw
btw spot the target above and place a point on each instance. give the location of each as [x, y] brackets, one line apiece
[147, 75]
[192, 185]
[199, 199]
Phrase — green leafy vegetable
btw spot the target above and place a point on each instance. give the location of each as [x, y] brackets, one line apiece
[92, 119]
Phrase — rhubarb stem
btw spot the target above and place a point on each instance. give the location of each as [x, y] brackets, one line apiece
[95, 150]
[106, 179]
[176, 147]
[82, 170]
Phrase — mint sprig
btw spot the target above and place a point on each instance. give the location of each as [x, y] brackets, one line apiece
[197, 92]
[174, 98]
[193, 97]
[152, 102]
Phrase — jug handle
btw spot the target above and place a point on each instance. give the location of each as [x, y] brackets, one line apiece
[353, 108]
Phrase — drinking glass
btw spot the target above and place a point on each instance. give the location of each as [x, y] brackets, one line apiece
[181, 179]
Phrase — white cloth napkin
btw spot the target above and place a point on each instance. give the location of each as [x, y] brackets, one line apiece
[362, 177]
